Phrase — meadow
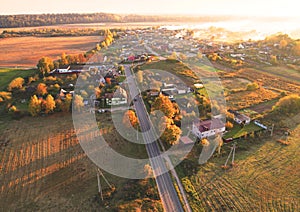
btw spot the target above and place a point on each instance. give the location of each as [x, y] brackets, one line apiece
[265, 177]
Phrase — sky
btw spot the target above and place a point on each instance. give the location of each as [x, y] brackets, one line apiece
[274, 8]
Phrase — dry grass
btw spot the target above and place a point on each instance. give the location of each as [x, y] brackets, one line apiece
[26, 51]
[43, 167]
[265, 178]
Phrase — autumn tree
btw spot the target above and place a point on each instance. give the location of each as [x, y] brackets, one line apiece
[228, 125]
[78, 103]
[49, 104]
[41, 89]
[65, 105]
[171, 132]
[45, 65]
[139, 76]
[164, 104]
[288, 105]
[252, 86]
[16, 83]
[63, 59]
[296, 48]
[173, 56]
[130, 119]
[34, 107]
[283, 43]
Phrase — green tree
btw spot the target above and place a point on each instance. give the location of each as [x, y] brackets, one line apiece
[34, 107]
[16, 83]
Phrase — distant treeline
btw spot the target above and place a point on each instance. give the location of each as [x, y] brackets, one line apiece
[9, 21]
[58, 32]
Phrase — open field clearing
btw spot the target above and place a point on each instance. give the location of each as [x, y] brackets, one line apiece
[270, 80]
[265, 178]
[43, 167]
[26, 51]
[245, 99]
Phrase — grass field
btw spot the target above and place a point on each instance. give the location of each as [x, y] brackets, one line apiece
[26, 51]
[237, 131]
[8, 74]
[265, 178]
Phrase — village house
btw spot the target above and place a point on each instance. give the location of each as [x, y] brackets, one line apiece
[208, 128]
[240, 118]
[117, 98]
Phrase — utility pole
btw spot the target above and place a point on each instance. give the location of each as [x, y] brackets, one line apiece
[272, 130]
[99, 173]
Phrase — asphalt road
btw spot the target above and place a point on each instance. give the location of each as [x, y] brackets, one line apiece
[167, 192]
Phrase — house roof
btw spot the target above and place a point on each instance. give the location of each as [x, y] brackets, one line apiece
[207, 125]
[242, 117]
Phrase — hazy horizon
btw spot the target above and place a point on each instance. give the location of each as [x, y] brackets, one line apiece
[255, 8]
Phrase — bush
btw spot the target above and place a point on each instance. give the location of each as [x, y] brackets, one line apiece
[288, 105]
[252, 86]
[16, 83]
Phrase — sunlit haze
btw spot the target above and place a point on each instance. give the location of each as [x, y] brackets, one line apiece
[277, 8]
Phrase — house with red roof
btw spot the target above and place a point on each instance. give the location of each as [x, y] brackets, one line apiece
[208, 128]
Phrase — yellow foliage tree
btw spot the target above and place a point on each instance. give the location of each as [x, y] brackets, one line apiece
[41, 89]
[130, 119]
[34, 107]
[164, 104]
[78, 102]
[49, 104]
[16, 83]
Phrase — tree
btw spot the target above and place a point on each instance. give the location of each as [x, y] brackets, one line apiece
[228, 125]
[16, 83]
[171, 133]
[45, 65]
[66, 104]
[296, 48]
[34, 107]
[108, 80]
[130, 119]
[49, 104]
[283, 44]
[164, 104]
[173, 56]
[148, 170]
[252, 86]
[139, 76]
[98, 47]
[78, 103]
[41, 89]
[288, 105]
[63, 59]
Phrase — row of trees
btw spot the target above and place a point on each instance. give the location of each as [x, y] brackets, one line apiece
[166, 124]
[39, 105]
[46, 64]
